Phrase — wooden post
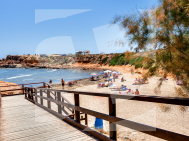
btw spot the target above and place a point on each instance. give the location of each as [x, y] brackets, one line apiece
[25, 92]
[43, 84]
[41, 94]
[86, 120]
[63, 101]
[48, 102]
[32, 93]
[23, 89]
[77, 113]
[59, 106]
[29, 90]
[112, 112]
[36, 95]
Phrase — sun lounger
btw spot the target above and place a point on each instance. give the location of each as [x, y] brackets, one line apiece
[119, 89]
[109, 79]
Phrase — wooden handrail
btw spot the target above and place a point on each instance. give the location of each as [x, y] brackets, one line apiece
[22, 84]
[157, 132]
[154, 99]
[61, 95]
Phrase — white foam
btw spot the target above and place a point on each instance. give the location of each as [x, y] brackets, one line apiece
[52, 70]
[27, 79]
[19, 76]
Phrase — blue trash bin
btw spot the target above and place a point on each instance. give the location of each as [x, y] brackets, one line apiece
[98, 123]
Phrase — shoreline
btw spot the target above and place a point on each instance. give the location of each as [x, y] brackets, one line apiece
[80, 83]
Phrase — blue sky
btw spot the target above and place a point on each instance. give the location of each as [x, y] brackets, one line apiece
[62, 26]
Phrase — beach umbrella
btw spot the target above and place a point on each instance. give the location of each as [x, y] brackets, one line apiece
[94, 74]
[107, 71]
[115, 72]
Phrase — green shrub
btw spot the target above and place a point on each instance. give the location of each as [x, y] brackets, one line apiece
[138, 65]
[64, 61]
[132, 61]
[139, 60]
[114, 61]
[153, 69]
[33, 58]
[104, 60]
[122, 61]
[149, 64]
[51, 57]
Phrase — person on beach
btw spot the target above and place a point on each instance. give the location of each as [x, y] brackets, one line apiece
[114, 77]
[164, 76]
[179, 81]
[50, 81]
[70, 83]
[132, 71]
[62, 81]
[122, 79]
[137, 92]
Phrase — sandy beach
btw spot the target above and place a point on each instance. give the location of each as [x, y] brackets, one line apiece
[168, 117]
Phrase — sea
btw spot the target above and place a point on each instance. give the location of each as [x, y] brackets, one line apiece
[24, 76]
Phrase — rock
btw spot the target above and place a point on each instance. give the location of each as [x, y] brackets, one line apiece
[3, 83]
[18, 65]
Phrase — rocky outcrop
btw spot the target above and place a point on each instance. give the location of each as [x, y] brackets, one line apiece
[3, 83]
[25, 61]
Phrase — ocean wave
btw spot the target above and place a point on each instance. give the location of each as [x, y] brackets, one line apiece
[52, 70]
[27, 79]
[19, 76]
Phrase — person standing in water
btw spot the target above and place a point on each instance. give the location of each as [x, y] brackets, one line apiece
[50, 82]
[62, 81]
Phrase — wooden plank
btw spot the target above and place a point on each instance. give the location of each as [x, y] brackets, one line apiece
[84, 128]
[155, 99]
[27, 121]
[77, 113]
[112, 112]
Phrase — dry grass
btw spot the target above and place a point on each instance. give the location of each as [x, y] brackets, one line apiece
[165, 107]
[157, 90]
[182, 94]
[182, 108]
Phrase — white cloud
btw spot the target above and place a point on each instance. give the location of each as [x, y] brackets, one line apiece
[56, 45]
[48, 14]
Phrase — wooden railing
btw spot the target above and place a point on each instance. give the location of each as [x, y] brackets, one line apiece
[62, 97]
[23, 85]
[113, 120]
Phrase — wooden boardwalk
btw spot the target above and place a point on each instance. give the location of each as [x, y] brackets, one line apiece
[21, 120]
